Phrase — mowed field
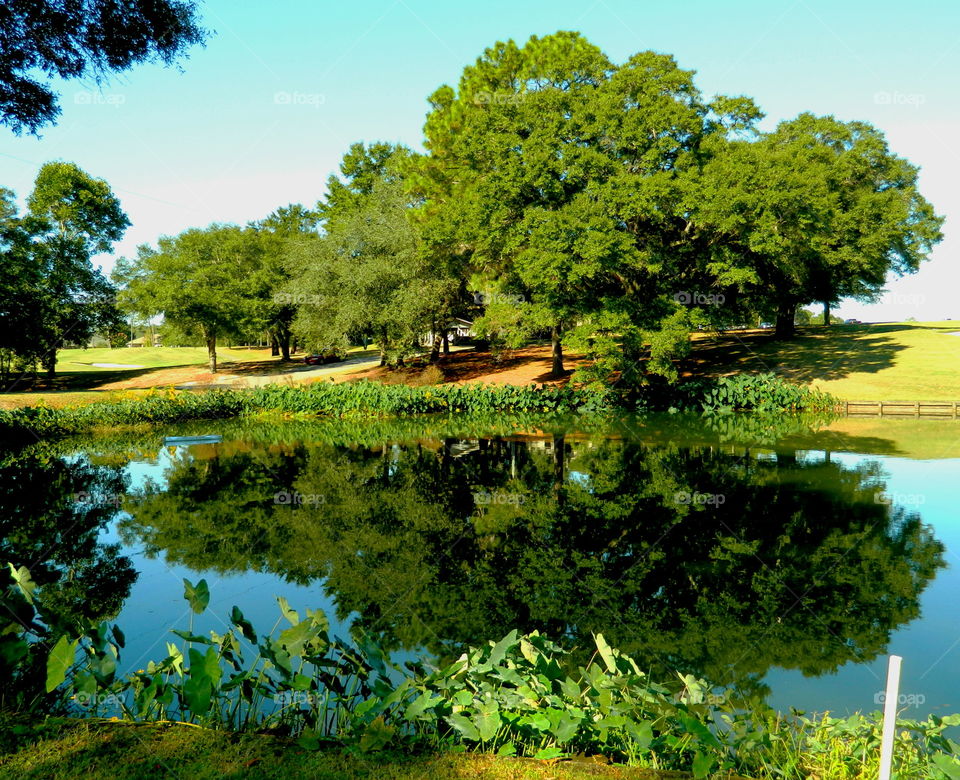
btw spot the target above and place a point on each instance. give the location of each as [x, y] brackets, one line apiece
[134, 358]
[903, 361]
[85, 375]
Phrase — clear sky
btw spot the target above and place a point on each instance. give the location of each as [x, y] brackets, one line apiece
[261, 116]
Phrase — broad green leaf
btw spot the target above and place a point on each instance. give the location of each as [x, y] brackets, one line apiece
[290, 614]
[298, 636]
[59, 661]
[500, 649]
[570, 689]
[197, 691]
[23, 580]
[548, 754]
[420, 705]
[203, 640]
[376, 735]
[641, 732]
[464, 726]
[949, 765]
[245, 626]
[487, 723]
[566, 729]
[701, 732]
[529, 651]
[198, 596]
[606, 653]
[702, 764]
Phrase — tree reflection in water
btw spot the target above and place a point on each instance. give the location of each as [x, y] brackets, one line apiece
[699, 559]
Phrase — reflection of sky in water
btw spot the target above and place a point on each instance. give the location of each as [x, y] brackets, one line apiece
[156, 604]
[930, 645]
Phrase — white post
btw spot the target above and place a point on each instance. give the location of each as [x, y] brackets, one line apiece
[890, 716]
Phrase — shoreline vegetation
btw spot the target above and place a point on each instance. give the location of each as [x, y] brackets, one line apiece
[761, 392]
[523, 696]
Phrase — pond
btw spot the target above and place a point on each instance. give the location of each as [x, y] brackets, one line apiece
[780, 560]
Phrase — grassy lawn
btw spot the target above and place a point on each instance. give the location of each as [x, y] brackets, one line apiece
[72, 360]
[905, 361]
[86, 375]
[62, 749]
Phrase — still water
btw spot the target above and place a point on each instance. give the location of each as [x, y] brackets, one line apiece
[780, 560]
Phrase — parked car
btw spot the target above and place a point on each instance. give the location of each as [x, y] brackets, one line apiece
[327, 356]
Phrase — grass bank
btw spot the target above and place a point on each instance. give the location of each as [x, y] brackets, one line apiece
[84, 749]
[895, 361]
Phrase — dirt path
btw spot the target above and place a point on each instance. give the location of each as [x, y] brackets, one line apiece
[526, 366]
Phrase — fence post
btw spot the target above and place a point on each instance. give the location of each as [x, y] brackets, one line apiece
[890, 716]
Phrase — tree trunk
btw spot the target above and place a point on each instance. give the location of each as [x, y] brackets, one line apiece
[826, 314]
[285, 345]
[212, 353]
[786, 312]
[435, 349]
[274, 345]
[50, 364]
[446, 343]
[556, 351]
[559, 456]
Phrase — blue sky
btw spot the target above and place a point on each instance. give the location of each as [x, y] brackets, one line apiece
[261, 116]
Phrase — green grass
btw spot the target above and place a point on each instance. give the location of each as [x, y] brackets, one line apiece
[906, 361]
[70, 360]
[66, 749]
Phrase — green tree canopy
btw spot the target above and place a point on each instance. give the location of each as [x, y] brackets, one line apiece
[44, 39]
[48, 279]
[203, 280]
[816, 210]
[367, 274]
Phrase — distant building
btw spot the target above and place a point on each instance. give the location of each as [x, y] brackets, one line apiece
[146, 341]
[457, 328]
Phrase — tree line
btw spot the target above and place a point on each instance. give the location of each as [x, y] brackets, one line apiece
[611, 208]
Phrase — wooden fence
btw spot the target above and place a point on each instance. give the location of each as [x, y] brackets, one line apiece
[941, 409]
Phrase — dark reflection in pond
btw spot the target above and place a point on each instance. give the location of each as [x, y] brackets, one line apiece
[53, 511]
[705, 559]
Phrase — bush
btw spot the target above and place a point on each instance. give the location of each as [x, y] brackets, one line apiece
[357, 399]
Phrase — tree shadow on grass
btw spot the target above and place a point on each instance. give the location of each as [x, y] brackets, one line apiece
[812, 354]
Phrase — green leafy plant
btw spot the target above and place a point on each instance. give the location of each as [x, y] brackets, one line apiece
[520, 696]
